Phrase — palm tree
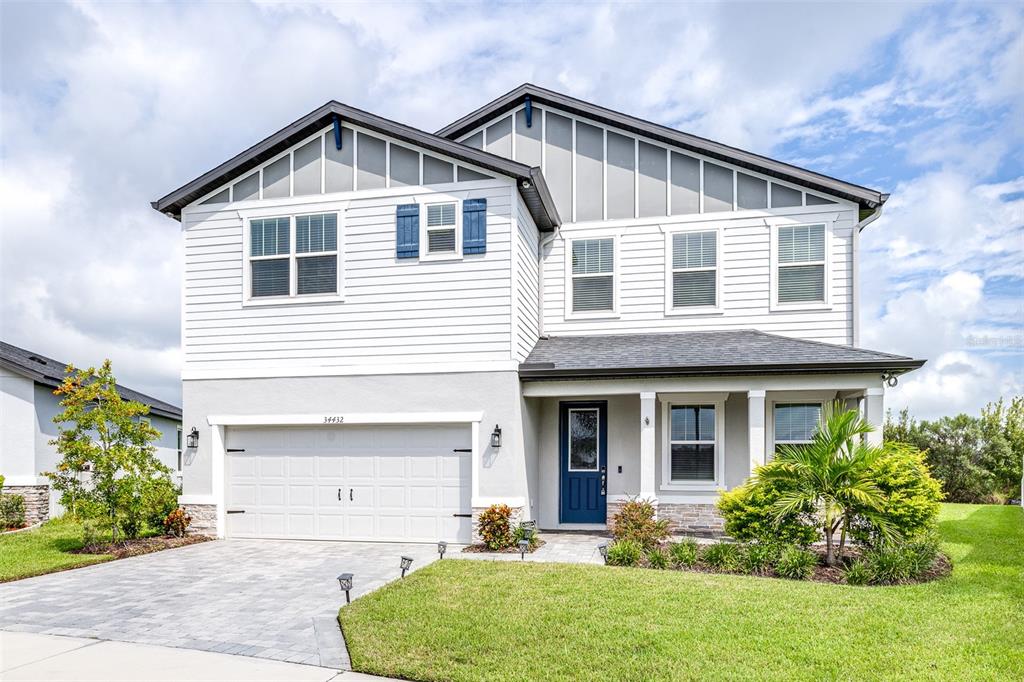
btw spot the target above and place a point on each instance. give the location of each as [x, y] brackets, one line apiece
[832, 474]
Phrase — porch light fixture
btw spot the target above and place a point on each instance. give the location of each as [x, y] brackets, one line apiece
[406, 563]
[345, 581]
[523, 546]
[603, 549]
[496, 437]
[192, 440]
[442, 547]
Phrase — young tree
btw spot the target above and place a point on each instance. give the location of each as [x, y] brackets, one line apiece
[108, 461]
[833, 475]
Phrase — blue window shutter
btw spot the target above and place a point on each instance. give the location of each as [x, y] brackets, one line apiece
[474, 226]
[407, 231]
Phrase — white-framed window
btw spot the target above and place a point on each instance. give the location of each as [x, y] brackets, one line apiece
[795, 423]
[440, 231]
[584, 427]
[592, 276]
[178, 444]
[800, 263]
[694, 442]
[694, 276]
[292, 257]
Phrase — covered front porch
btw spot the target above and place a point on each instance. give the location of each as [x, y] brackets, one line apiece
[674, 441]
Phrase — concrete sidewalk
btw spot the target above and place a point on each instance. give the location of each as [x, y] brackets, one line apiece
[26, 656]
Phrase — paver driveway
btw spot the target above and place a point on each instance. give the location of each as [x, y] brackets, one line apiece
[264, 598]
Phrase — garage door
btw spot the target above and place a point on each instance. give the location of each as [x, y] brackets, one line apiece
[397, 483]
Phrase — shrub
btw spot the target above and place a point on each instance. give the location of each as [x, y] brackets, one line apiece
[520, 534]
[858, 573]
[177, 522]
[750, 515]
[921, 554]
[12, 511]
[495, 528]
[796, 563]
[759, 558]
[684, 554]
[722, 556]
[624, 553]
[910, 496]
[159, 498]
[635, 521]
[657, 558]
[890, 565]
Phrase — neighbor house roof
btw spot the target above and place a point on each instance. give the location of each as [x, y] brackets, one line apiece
[530, 181]
[865, 197]
[50, 372]
[745, 351]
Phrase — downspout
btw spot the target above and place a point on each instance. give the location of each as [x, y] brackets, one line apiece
[872, 217]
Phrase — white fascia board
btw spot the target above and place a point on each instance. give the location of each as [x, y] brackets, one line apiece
[341, 419]
[593, 387]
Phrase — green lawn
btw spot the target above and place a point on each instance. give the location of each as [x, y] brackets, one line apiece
[44, 550]
[481, 620]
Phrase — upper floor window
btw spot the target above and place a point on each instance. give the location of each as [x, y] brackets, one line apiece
[800, 253]
[441, 228]
[795, 423]
[694, 279]
[593, 275]
[293, 257]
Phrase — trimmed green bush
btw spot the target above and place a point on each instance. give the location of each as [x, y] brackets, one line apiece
[624, 553]
[636, 521]
[921, 554]
[749, 515]
[12, 511]
[722, 556]
[858, 573]
[890, 565]
[684, 554]
[759, 558]
[657, 558]
[796, 563]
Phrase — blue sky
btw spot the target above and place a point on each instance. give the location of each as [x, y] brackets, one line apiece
[106, 107]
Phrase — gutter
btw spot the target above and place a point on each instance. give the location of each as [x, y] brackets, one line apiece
[547, 371]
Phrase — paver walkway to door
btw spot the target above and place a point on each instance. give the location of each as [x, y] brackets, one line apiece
[272, 599]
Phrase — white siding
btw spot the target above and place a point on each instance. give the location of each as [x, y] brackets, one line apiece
[527, 282]
[746, 280]
[393, 312]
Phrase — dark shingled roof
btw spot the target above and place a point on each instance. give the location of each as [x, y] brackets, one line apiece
[745, 351]
[50, 372]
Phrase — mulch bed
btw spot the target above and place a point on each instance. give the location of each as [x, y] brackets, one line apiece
[127, 548]
[484, 549]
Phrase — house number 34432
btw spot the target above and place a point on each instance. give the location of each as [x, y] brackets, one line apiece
[334, 419]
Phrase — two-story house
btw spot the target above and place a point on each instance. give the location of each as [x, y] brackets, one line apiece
[546, 304]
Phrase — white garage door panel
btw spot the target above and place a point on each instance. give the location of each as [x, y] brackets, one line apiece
[401, 483]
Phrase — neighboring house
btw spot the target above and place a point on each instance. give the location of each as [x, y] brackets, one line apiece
[27, 409]
[546, 304]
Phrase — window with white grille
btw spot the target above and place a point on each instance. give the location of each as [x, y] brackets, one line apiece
[441, 228]
[293, 256]
[694, 259]
[800, 276]
[593, 275]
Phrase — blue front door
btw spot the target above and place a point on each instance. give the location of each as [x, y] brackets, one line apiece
[583, 429]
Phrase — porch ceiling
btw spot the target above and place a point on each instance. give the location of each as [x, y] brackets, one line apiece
[745, 351]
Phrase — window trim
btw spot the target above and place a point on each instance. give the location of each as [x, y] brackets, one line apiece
[826, 304]
[570, 314]
[293, 256]
[425, 254]
[717, 400]
[568, 445]
[670, 270]
[770, 420]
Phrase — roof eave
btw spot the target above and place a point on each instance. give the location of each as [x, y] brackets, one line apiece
[894, 366]
[864, 196]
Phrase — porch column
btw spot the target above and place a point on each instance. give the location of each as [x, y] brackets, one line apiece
[648, 460]
[755, 428]
[874, 413]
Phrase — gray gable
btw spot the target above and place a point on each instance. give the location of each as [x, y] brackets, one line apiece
[700, 353]
[50, 372]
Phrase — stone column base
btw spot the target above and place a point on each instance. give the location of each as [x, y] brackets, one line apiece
[37, 501]
[204, 519]
[514, 520]
[701, 520]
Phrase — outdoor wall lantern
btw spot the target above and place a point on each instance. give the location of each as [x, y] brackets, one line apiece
[442, 547]
[345, 581]
[496, 437]
[603, 549]
[406, 563]
[192, 440]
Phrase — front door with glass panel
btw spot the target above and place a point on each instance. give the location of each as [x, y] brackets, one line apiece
[583, 429]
